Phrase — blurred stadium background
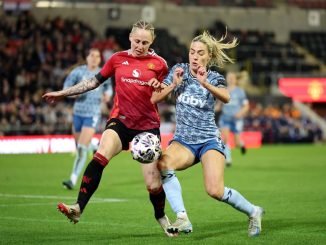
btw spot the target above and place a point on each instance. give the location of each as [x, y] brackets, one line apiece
[284, 39]
[281, 62]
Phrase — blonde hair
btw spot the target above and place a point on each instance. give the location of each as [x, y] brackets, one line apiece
[216, 48]
[141, 24]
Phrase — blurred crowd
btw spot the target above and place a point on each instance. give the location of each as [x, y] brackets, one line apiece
[36, 57]
[281, 123]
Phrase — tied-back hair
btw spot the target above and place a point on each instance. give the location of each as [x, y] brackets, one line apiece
[216, 48]
[141, 24]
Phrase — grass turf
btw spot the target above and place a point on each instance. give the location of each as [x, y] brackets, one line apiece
[287, 180]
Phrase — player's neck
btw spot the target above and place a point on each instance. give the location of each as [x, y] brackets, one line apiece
[92, 68]
[231, 87]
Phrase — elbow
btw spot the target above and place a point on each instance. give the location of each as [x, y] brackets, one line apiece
[226, 99]
[155, 100]
[96, 85]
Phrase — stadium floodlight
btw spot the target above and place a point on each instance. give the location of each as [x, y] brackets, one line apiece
[53, 4]
[75, 4]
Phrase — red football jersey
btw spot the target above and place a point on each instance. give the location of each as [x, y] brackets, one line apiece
[132, 105]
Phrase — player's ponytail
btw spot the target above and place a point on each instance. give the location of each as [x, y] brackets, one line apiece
[216, 48]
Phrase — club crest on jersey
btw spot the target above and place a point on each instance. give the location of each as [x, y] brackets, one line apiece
[136, 73]
[150, 66]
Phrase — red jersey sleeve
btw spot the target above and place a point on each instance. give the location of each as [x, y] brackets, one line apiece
[162, 72]
[108, 68]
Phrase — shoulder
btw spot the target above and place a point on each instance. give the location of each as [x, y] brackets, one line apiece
[241, 91]
[79, 69]
[157, 57]
[184, 66]
[116, 58]
[215, 75]
[119, 54]
[216, 78]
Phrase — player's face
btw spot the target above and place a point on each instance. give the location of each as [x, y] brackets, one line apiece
[93, 59]
[140, 41]
[198, 56]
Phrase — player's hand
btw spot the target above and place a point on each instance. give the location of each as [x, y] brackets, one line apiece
[202, 75]
[52, 97]
[156, 84]
[177, 76]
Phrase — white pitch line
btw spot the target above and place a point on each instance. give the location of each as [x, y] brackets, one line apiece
[28, 204]
[50, 221]
[110, 223]
[59, 197]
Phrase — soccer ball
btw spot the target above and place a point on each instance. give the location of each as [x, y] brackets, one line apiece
[146, 147]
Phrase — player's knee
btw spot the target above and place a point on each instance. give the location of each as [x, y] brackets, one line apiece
[163, 164]
[215, 192]
[154, 189]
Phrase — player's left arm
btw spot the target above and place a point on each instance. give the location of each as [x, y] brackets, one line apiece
[219, 92]
[159, 96]
[176, 76]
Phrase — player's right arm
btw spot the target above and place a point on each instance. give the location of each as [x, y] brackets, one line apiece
[80, 88]
[73, 78]
[84, 85]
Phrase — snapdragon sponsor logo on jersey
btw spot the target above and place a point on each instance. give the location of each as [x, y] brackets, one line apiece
[190, 100]
[135, 73]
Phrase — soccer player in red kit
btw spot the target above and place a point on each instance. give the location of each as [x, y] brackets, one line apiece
[138, 72]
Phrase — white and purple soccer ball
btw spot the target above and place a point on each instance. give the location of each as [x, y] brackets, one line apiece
[146, 148]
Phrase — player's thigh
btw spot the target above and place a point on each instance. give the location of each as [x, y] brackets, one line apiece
[213, 171]
[176, 157]
[86, 135]
[110, 144]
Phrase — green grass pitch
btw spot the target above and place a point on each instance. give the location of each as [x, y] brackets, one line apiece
[288, 181]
